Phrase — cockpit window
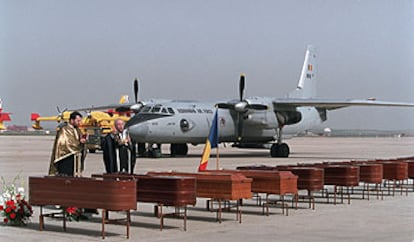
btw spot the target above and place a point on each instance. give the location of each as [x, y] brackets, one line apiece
[155, 109]
[170, 110]
[146, 109]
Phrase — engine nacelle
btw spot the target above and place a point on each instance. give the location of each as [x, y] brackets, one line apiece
[288, 117]
[255, 120]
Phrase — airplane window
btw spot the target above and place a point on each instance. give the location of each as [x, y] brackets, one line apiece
[170, 110]
[146, 109]
[186, 110]
[155, 110]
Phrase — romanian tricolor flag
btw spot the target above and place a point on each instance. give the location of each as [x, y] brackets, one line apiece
[212, 142]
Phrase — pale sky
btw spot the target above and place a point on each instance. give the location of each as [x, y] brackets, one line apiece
[80, 53]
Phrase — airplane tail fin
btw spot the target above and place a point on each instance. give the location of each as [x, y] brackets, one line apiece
[124, 99]
[34, 116]
[4, 117]
[308, 77]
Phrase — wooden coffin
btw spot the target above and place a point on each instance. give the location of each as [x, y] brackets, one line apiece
[166, 190]
[270, 182]
[217, 186]
[370, 173]
[83, 192]
[410, 169]
[395, 170]
[339, 175]
[410, 163]
[309, 178]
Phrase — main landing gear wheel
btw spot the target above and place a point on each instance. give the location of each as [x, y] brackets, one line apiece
[178, 149]
[142, 150]
[279, 150]
[154, 151]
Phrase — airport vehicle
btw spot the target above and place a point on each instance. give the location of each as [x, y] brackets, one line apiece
[3, 116]
[254, 122]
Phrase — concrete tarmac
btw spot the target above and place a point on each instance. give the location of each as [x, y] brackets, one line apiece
[390, 219]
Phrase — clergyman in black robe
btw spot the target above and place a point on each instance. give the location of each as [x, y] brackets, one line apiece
[119, 152]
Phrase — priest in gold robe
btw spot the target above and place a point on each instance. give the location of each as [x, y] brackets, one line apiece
[68, 152]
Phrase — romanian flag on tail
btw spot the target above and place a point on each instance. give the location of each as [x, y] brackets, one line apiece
[212, 142]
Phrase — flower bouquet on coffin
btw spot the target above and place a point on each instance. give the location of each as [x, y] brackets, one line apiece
[13, 206]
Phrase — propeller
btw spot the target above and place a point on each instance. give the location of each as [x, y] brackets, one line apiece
[138, 104]
[242, 84]
[241, 107]
[60, 115]
[136, 90]
[89, 113]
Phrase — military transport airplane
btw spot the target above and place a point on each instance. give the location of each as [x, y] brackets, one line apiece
[255, 122]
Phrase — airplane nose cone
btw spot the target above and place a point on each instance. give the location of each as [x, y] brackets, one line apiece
[138, 132]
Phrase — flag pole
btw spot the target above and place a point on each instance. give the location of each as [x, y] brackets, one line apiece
[217, 158]
[217, 151]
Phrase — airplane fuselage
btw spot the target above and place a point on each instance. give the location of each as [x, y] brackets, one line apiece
[190, 122]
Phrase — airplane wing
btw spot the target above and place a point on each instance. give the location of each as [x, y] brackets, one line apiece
[124, 107]
[116, 107]
[331, 104]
